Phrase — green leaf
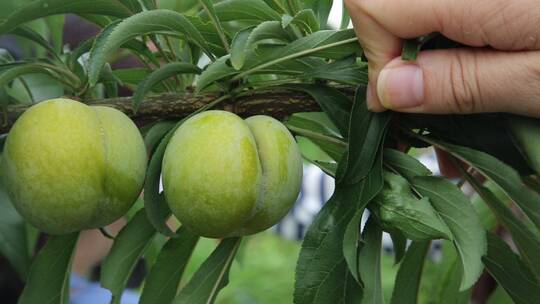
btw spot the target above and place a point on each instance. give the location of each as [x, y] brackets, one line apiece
[246, 40]
[245, 10]
[345, 70]
[128, 247]
[145, 23]
[322, 9]
[212, 276]
[351, 242]
[405, 164]
[450, 290]
[304, 19]
[326, 44]
[28, 33]
[43, 8]
[526, 240]
[150, 4]
[162, 282]
[334, 103]
[158, 75]
[500, 173]
[239, 47]
[345, 18]
[327, 167]
[322, 275]
[510, 272]
[131, 77]
[208, 32]
[138, 48]
[322, 272]
[13, 237]
[399, 242]
[459, 215]
[369, 262]
[55, 25]
[399, 209]
[319, 134]
[60, 74]
[208, 7]
[369, 130]
[133, 5]
[409, 274]
[217, 70]
[156, 133]
[48, 280]
[155, 204]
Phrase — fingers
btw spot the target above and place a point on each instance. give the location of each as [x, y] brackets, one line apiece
[379, 46]
[463, 81]
[501, 24]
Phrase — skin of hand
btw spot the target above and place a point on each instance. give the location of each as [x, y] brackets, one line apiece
[500, 72]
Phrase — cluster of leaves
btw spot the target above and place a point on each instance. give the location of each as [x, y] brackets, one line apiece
[235, 47]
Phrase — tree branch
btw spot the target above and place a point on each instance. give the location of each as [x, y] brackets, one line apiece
[167, 106]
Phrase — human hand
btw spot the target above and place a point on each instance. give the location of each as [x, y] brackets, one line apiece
[500, 74]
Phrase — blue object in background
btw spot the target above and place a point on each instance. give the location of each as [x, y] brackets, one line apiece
[86, 292]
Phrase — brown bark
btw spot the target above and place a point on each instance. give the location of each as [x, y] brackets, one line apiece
[276, 103]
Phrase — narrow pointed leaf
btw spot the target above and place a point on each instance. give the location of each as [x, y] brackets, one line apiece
[157, 76]
[13, 236]
[459, 215]
[162, 282]
[524, 237]
[405, 164]
[48, 280]
[59, 74]
[156, 133]
[511, 272]
[304, 19]
[326, 44]
[212, 276]
[370, 129]
[322, 272]
[345, 17]
[399, 244]
[128, 247]
[145, 23]
[369, 263]
[346, 71]
[334, 103]
[351, 242]
[239, 47]
[155, 205]
[43, 8]
[133, 5]
[502, 174]
[408, 277]
[322, 9]
[217, 70]
[30, 34]
[245, 10]
[208, 7]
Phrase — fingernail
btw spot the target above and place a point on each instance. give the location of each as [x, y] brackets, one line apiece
[401, 87]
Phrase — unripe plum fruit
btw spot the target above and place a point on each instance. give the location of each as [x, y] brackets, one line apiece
[68, 166]
[225, 176]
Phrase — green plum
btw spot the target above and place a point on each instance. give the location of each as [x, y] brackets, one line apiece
[223, 176]
[68, 166]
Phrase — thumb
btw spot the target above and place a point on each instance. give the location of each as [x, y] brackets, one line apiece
[463, 81]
